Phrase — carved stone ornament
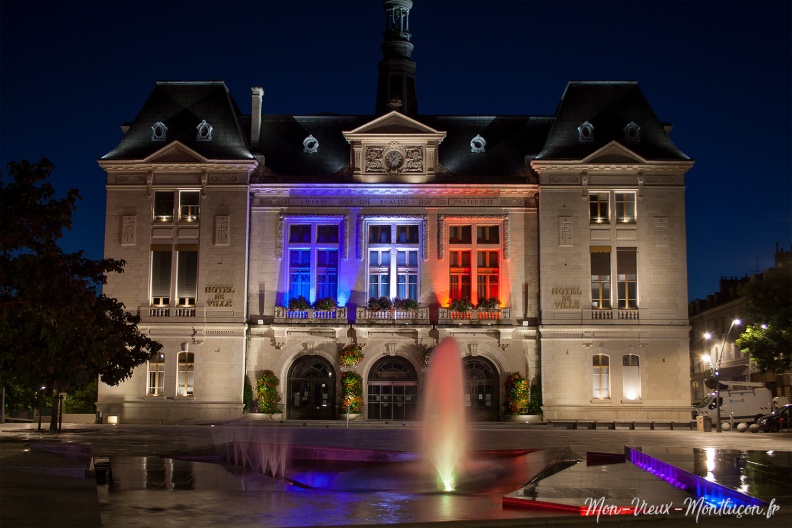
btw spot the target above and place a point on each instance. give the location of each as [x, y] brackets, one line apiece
[394, 159]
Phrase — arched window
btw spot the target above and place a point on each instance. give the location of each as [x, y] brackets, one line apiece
[601, 376]
[631, 377]
[392, 390]
[156, 375]
[186, 374]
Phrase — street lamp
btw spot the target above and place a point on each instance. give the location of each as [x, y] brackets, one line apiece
[718, 357]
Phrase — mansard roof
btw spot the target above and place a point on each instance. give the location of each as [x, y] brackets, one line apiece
[182, 107]
[509, 139]
[608, 107]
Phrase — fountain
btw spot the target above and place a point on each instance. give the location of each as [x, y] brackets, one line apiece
[445, 430]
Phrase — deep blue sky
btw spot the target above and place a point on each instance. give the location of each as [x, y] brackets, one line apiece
[720, 72]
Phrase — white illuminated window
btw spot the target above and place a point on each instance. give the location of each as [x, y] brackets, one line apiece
[393, 262]
[627, 277]
[186, 374]
[600, 278]
[189, 206]
[601, 376]
[156, 375]
[625, 207]
[599, 210]
[631, 377]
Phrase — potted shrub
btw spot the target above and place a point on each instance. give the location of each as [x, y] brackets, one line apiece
[381, 304]
[426, 357]
[299, 303]
[460, 305]
[517, 394]
[405, 304]
[488, 305]
[350, 355]
[327, 303]
[267, 395]
[352, 391]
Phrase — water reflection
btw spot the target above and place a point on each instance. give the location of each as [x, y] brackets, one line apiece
[765, 475]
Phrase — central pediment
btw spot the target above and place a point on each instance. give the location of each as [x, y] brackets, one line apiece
[394, 148]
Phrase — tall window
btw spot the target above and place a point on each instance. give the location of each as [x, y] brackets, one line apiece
[161, 277]
[393, 263]
[187, 277]
[601, 376]
[460, 274]
[156, 375]
[487, 275]
[474, 259]
[598, 207]
[631, 377]
[186, 375]
[625, 207]
[626, 275]
[313, 260]
[600, 278]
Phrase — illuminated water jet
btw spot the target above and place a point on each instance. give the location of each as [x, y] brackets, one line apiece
[445, 430]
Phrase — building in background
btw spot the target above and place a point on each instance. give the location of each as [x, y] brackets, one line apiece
[710, 337]
[552, 246]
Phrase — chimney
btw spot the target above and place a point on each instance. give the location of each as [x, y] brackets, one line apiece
[255, 117]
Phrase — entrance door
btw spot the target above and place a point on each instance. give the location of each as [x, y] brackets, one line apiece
[311, 390]
[392, 390]
[481, 389]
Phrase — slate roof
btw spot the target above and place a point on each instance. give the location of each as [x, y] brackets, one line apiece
[181, 106]
[609, 106]
[511, 141]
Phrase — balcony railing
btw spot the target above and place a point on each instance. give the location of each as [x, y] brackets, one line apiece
[473, 316]
[169, 311]
[310, 315]
[418, 315]
[615, 314]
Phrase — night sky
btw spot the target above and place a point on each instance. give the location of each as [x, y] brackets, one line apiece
[720, 72]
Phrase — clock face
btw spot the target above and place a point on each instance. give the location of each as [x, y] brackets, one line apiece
[394, 159]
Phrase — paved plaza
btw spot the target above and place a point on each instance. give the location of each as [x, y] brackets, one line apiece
[42, 485]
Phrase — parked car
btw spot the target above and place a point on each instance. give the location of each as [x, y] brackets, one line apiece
[779, 419]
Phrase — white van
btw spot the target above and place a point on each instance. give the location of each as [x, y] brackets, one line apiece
[748, 402]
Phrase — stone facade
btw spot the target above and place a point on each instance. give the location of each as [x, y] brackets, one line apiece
[225, 219]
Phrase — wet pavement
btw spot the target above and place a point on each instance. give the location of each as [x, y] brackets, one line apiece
[153, 483]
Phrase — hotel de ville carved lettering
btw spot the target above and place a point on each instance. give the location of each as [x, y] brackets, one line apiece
[252, 248]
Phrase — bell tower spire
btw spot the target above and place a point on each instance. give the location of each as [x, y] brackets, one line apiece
[396, 85]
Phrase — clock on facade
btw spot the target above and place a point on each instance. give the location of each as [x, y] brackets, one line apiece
[394, 159]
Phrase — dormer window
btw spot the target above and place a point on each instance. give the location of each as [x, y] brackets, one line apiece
[310, 145]
[586, 132]
[159, 131]
[478, 145]
[204, 131]
[632, 133]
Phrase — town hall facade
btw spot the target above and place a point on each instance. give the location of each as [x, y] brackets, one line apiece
[552, 246]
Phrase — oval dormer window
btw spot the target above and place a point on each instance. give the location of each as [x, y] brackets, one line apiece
[478, 145]
[586, 132]
[310, 145]
[159, 131]
[204, 131]
[632, 132]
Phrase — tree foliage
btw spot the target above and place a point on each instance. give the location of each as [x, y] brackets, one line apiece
[768, 336]
[56, 328]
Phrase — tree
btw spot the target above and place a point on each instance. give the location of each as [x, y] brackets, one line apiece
[56, 329]
[768, 336]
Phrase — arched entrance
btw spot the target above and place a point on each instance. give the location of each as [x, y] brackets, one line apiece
[392, 390]
[312, 390]
[481, 389]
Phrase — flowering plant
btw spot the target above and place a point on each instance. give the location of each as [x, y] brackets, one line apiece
[299, 303]
[350, 355]
[405, 304]
[488, 305]
[517, 394]
[379, 305]
[267, 392]
[327, 303]
[426, 357]
[460, 305]
[352, 389]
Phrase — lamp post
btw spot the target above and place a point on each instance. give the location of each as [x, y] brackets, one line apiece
[718, 357]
